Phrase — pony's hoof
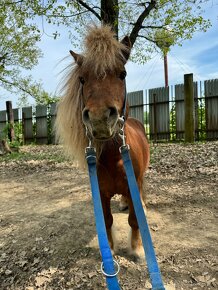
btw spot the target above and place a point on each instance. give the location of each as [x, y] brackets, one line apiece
[138, 255]
[135, 246]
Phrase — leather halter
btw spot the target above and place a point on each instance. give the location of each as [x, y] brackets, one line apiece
[121, 119]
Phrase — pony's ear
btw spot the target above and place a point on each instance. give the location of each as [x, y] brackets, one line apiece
[77, 57]
[127, 43]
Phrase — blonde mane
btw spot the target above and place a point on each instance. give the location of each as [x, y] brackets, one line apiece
[102, 54]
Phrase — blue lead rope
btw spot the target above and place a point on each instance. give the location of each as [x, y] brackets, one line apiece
[153, 269]
[108, 263]
[107, 258]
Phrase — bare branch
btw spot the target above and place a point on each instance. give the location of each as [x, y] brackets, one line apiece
[66, 16]
[14, 84]
[90, 9]
[147, 38]
[12, 3]
[138, 25]
[151, 26]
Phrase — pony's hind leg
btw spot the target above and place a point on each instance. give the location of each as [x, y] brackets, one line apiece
[108, 220]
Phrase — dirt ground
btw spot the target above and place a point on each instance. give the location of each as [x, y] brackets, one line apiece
[48, 238]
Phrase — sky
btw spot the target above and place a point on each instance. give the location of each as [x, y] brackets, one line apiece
[198, 56]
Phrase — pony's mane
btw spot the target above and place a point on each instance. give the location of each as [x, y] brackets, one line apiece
[102, 54]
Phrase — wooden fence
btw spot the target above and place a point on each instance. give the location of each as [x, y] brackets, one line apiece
[166, 109]
[162, 110]
[159, 117]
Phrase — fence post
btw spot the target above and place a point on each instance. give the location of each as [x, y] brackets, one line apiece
[189, 108]
[10, 116]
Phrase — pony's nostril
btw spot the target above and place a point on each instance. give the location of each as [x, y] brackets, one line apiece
[113, 112]
[94, 133]
[85, 115]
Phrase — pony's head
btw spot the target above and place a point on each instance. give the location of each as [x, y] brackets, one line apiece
[101, 74]
[95, 89]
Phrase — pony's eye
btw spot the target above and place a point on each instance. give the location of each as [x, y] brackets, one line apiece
[82, 80]
[123, 75]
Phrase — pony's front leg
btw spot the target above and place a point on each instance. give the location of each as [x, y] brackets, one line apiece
[135, 242]
[108, 219]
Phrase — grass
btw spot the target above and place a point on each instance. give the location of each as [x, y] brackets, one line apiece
[42, 155]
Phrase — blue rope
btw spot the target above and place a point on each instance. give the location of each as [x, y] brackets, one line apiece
[153, 269]
[107, 258]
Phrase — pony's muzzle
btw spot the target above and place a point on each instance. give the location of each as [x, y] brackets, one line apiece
[101, 123]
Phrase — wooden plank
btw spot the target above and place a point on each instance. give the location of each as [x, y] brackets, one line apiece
[53, 109]
[41, 124]
[211, 108]
[180, 111]
[136, 106]
[27, 125]
[3, 123]
[159, 115]
[16, 115]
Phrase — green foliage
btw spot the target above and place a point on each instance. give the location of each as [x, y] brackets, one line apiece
[144, 19]
[22, 26]
[18, 48]
[146, 122]
[44, 98]
[146, 117]
[40, 95]
[54, 157]
[18, 133]
[164, 39]
[173, 123]
[201, 120]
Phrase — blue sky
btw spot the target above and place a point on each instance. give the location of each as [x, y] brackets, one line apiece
[198, 56]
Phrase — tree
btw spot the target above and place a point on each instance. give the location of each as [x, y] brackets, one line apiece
[141, 20]
[19, 31]
[17, 49]
[164, 39]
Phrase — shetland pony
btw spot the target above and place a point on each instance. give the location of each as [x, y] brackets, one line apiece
[92, 104]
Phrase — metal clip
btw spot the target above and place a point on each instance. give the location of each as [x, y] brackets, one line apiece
[124, 147]
[89, 137]
[122, 120]
[122, 133]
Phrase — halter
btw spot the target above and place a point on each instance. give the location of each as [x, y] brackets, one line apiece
[121, 119]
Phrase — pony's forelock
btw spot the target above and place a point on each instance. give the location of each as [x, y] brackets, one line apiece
[103, 53]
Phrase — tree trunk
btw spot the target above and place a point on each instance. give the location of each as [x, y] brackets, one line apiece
[4, 147]
[110, 13]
